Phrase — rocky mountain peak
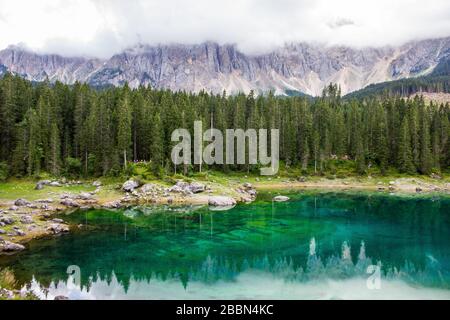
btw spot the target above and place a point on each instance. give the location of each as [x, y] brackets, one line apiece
[212, 67]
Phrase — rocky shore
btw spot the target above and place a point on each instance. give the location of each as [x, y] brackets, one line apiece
[22, 220]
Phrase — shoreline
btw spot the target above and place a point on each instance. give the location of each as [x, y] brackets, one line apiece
[23, 220]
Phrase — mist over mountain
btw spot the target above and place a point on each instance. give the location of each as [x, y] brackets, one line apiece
[300, 67]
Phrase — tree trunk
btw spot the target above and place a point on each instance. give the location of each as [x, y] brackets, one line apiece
[125, 159]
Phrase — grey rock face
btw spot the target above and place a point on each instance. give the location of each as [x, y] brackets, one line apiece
[212, 67]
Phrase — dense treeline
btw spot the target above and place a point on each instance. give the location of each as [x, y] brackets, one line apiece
[405, 87]
[77, 130]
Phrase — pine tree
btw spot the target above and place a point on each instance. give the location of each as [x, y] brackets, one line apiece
[405, 160]
[124, 128]
[156, 149]
[425, 154]
[55, 145]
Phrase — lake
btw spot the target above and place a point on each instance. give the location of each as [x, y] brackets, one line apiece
[318, 245]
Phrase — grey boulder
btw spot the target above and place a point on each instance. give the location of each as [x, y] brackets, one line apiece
[130, 185]
[21, 202]
[280, 198]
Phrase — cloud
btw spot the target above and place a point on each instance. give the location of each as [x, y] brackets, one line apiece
[104, 27]
[340, 22]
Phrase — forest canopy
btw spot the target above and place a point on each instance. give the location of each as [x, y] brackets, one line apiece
[82, 131]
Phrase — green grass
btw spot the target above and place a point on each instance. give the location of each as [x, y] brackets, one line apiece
[24, 188]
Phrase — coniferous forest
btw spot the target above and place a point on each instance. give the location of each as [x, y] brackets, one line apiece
[81, 131]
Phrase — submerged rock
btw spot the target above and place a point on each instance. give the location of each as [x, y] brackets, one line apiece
[219, 201]
[280, 198]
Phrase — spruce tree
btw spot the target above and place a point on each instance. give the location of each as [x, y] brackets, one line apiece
[405, 159]
[124, 128]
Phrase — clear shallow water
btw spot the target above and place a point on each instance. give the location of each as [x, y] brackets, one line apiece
[316, 246]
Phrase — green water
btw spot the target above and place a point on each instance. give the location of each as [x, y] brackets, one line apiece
[315, 246]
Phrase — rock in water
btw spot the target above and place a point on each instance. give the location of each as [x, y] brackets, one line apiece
[130, 185]
[280, 198]
[221, 201]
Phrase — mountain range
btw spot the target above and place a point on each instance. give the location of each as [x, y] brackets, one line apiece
[297, 67]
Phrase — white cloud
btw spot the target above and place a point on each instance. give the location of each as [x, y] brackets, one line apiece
[104, 27]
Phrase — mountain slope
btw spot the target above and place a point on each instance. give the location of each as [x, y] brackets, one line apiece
[293, 68]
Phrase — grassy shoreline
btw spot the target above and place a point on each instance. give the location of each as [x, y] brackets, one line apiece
[37, 220]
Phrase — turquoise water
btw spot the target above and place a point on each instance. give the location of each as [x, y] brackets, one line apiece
[315, 246]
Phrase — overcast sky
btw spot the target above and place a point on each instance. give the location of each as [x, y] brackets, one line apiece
[104, 27]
